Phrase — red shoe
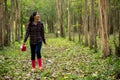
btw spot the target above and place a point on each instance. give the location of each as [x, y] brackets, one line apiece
[40, 64]
[33, 65]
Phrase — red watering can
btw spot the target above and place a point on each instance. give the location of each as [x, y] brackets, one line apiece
[23, 48]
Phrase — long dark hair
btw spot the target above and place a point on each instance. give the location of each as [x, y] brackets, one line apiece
[32, 18]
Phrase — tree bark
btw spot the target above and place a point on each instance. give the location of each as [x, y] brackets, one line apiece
[62, 32]
[85, 23]
[69, 22]
[119, 28]
[73, 26]
[80, 25]
[92, 27]
[11, 22]
[104, 26]
[7, 28]
[1, 24]
[60, 14]
[18, 14]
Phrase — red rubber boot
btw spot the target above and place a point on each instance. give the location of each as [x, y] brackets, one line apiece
[40, 64]
[33, 65]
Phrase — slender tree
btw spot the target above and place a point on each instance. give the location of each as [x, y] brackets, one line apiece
[73, 26]
[60, 13]
[18, 26]
[119, 28]
[62, 24]
[1, 24]
[80, 25]
[69, 22]
[92, 26]
[6, 23]
[57, 19]
[11, 21]
[86, 22]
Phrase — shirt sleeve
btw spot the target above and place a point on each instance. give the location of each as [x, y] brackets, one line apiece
[43, 36]
[27, 34]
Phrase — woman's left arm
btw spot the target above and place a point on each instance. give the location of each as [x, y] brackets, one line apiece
[43, 34]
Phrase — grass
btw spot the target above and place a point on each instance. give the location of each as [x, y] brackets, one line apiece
[62, 60]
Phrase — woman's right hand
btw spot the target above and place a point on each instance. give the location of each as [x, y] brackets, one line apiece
[45, 44]
[23, 43]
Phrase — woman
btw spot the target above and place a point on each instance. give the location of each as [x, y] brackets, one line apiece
[35, 30]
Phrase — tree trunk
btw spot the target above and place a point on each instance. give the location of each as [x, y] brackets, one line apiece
[80, 26]
[11, 22]
[1, 24]
[18, 14]
[60, 14]
[92, 27]
[69, 21]
[73, 26]
[95, 31]
[57, 19]
[104, 26]
[50, 26]
[7, 28]
[62, 32]
[86, 23]
[119, 28]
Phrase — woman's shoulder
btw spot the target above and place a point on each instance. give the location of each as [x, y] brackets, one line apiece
[40, 23]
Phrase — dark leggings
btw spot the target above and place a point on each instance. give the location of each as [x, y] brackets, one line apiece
[36, 49]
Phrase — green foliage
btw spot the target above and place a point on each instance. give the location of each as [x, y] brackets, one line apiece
[46, 9]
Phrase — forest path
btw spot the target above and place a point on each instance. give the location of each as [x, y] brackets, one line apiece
[62, 60]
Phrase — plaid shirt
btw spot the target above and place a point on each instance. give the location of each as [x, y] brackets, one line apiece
[36, 33]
